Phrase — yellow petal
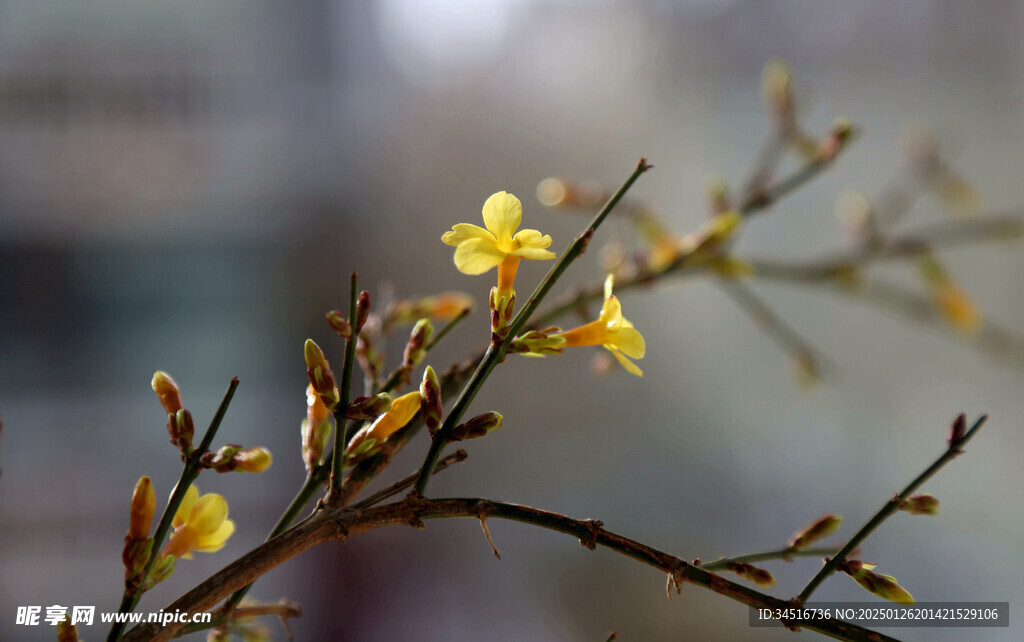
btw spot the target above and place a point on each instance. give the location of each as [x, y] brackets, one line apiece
[185, 507]
[630, 341]
[461, 232]
[532, 238]
[402, 411]
[626, 363]
[534, 253]
[611, 313]
[208, 514]
[215, 541]
[609, 283]
[502, 215]
[476, 256]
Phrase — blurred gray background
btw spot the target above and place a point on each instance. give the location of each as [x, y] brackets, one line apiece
[186, 185]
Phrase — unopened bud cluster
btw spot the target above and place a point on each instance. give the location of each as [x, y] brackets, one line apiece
[179, 420]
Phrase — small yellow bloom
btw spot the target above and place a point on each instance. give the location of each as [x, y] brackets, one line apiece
[200, 524]
[478, 250]
[366, 441]
[611, 330]
[402, 411]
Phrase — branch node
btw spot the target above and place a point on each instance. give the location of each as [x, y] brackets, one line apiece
[676, 578]
[594, 526]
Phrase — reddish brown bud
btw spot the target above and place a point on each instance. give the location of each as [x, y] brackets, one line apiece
[431, 403]
[362, 309]
[415, 349]
[181, 429]
[957, 430]
[477, 426]
[369, 408]
[751, 573]
[819, 529]
[339, 324]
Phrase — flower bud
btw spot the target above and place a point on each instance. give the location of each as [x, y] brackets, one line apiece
[362, 309]
[369, 408]
[431, 403]
[751, 573]
[142, 509]
[502, 306]
[884, 586]
[957, 430]
[840, 133]
[921, 505]
[339, 324]
[181, 429]
[819, 529]
[220, 459]
[167, 389]
[253, 460]
[477, 426]
[415, 349]
[160, 572]
[320, 375]
[539, 343]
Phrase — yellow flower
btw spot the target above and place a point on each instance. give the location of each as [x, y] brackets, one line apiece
[611, 330]
[200, 524]
[478, 250]
[366, 441]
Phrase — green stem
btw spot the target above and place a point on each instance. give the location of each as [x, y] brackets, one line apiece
[887, 509]
[341, 410]
[496, 351]
[723, 563]
[188, 475]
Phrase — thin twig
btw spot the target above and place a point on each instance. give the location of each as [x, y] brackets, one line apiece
[341, 429]
[723, 563]
[189, 474]
[338, 524]
[954, 450]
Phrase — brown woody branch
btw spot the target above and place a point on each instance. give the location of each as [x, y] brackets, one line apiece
[339, 523]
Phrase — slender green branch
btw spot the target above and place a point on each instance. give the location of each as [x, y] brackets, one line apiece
[188, 475]
[955, 449]
[338, 524]
[787, 554]
[496, 351]
[341, 410]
